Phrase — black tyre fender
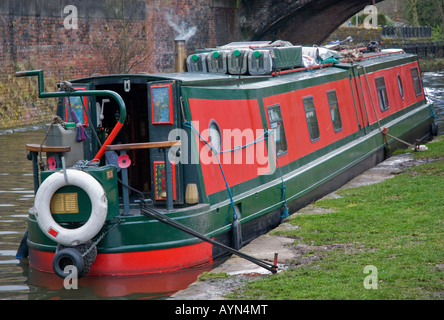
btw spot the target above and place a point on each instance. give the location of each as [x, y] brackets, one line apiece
[86, 260]
[66, 257]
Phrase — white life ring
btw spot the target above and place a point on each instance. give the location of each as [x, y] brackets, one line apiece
[99, 202]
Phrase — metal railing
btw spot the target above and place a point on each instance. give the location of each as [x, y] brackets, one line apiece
[406, 32]
[422, 50]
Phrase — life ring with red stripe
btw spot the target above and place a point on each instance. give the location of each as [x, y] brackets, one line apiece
[99, 203]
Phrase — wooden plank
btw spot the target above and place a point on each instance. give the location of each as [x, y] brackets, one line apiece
[143, 145]
[42, 148]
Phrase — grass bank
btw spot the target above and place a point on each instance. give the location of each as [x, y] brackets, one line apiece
[395, 227]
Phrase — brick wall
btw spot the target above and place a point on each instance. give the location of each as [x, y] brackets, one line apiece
[214, 23]
[33, 36]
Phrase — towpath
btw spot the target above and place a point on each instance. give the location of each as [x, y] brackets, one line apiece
[264, 247]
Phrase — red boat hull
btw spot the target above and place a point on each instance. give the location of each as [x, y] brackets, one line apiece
[133, 263]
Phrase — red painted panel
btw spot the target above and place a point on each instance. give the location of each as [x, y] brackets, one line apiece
[160, 180]
[396, 103]
[240, 124]
[244, 115]
[295, 124]
[152, 261]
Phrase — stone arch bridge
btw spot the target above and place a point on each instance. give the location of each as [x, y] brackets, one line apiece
[300, 22]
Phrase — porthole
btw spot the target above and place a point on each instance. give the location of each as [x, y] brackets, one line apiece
[215, 137]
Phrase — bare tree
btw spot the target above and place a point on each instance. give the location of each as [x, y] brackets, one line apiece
[126, 47]
[439, 7]
[412, 11]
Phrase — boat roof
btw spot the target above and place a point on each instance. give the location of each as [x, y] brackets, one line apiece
[184, 77]
[205, 79]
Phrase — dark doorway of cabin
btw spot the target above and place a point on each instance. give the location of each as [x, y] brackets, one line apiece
[135, 130]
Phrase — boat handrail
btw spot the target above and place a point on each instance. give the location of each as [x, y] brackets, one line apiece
[372, 56]
[81, 93]
[319, 66]
[143, 145]
[35, 147]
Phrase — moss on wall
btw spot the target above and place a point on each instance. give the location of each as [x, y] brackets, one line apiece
[19, 103]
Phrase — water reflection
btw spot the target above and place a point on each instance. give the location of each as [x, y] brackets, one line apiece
[18, 281]
[44, 285]
[434, 88]
[16, 196]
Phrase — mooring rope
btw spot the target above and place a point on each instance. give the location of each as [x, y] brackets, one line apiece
[285, 214]
[55, 120]
[189, 125]
[263, 137]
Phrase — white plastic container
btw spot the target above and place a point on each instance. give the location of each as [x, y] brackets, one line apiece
[260, 62]
[217, 61]
[311, 52]
[238, 61]
[197, 62]
[58, 136]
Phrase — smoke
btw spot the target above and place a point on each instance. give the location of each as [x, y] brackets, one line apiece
[183, 31]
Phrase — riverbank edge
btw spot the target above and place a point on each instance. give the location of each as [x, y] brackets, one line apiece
[431, 65]
[23, 129]
[235, 273]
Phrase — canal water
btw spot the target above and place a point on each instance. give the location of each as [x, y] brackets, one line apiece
[19, 281]
[434, 89]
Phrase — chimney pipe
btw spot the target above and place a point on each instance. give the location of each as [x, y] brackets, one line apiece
[180, 53]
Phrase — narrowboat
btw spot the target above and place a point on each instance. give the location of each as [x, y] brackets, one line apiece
[251, 132]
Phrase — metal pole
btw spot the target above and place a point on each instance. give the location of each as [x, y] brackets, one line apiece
[35, 170]
[81, 93]
[151, 212]
[180, 52]
[125, 191]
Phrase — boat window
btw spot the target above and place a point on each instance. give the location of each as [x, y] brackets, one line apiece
[382, 93]
[416, 81]
[401, 89]
[76, 108]
[276, 122]
[334, 110]
[312, 120]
